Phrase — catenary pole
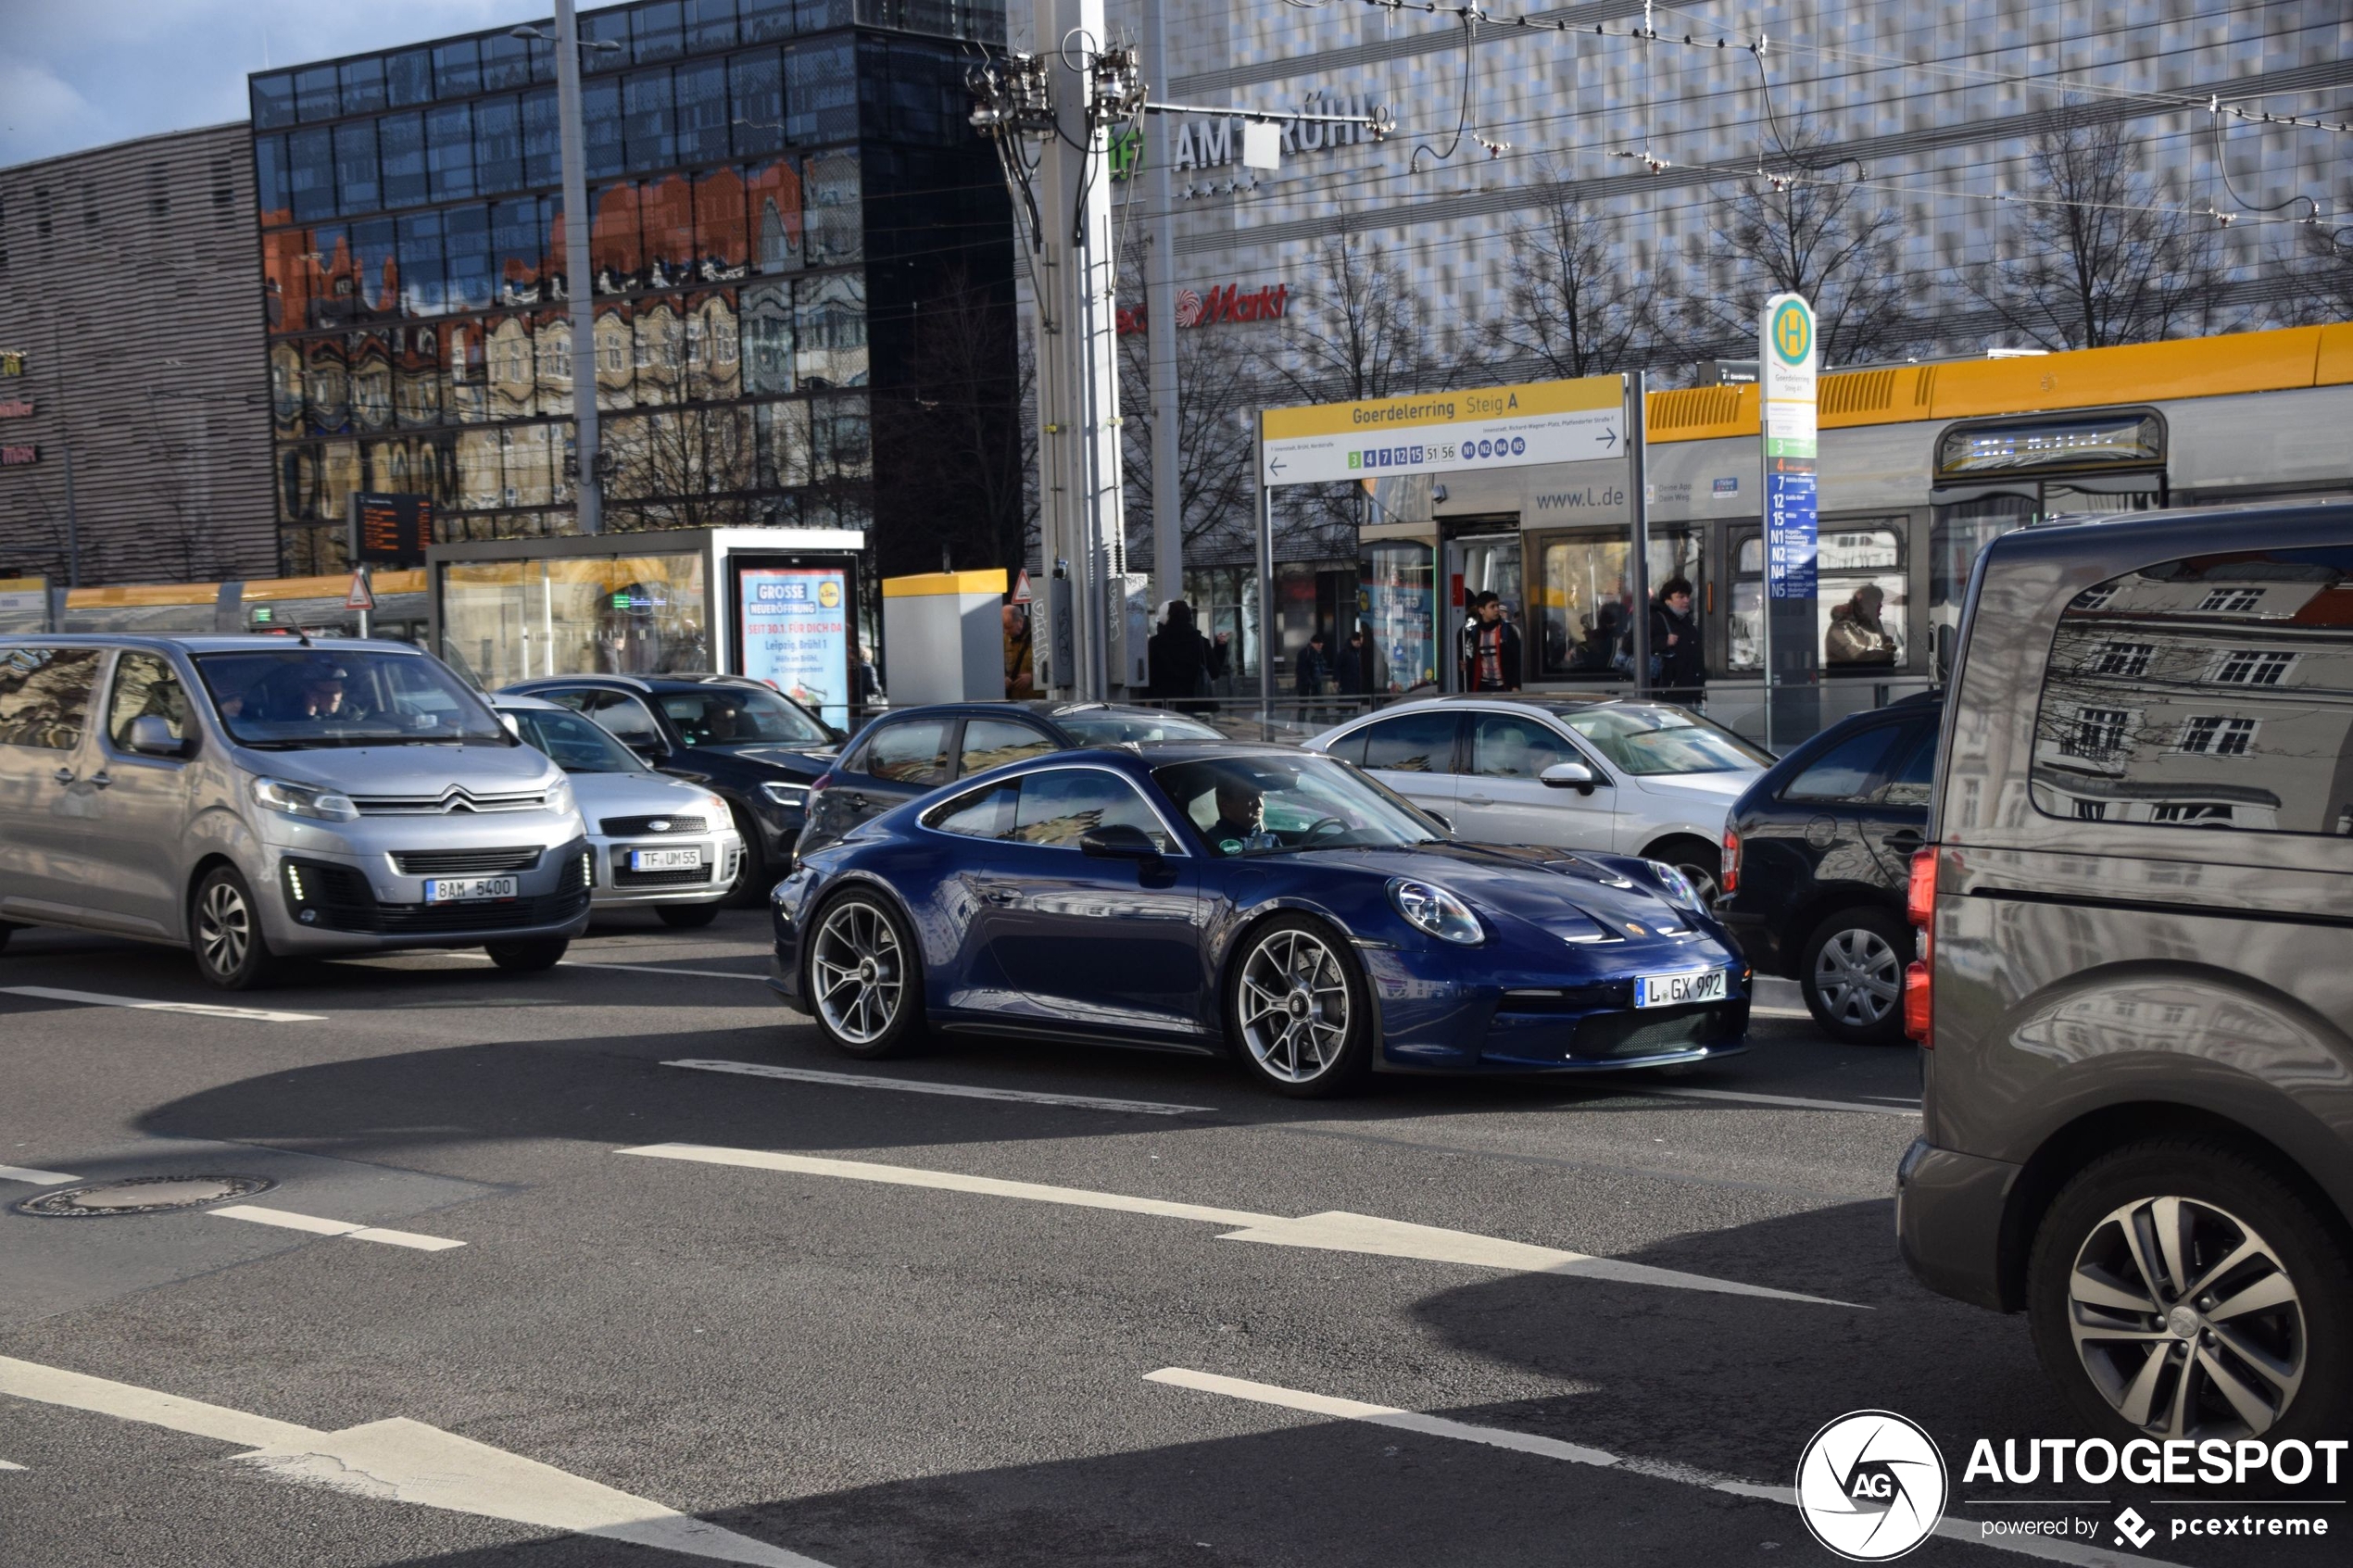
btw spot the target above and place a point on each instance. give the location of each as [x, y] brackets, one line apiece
[1159, 317]
[580, 272]
[1638, 385]
[1266, 573]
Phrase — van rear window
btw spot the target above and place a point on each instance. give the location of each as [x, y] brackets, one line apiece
[2211, 692]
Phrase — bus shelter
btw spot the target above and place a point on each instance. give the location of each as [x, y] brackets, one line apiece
[787, 606]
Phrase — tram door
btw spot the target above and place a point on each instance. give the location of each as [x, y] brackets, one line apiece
[1476, 563]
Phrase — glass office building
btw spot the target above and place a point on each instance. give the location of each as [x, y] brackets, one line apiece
[777, 189]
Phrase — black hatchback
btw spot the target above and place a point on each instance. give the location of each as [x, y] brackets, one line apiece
[914, 752]
[756, 748]
[1816, 856]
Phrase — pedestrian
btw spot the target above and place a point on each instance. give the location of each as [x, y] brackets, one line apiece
[1021, 680]
[1358, 667]
[1177, 659]
[1491, 654]
[1315, 672]
[1677, 656]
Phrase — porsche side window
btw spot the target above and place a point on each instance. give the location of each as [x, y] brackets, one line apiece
[1412, 743]
[986, 812]
[2210, 692]
[1059, 805]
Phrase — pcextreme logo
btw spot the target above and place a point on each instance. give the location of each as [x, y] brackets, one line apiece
[1871, 1486]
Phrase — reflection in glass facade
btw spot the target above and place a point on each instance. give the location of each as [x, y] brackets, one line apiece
[768, 178]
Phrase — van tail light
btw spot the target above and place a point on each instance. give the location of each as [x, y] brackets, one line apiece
[1729, 873]
[1919, 903]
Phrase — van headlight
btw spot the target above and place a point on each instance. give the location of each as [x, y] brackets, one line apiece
[296, 798]
[560, 797]
[1432, 909]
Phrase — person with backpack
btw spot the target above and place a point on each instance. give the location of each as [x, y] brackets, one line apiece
[1677, 658]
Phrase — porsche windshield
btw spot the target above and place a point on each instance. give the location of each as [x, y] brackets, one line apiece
[1273, 804]
[288, 699]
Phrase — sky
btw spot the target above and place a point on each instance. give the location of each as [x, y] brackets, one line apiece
[82, 73]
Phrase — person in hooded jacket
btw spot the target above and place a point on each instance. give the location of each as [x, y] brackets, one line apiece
[1856, 635]
[1177, 659]
[1675, 646]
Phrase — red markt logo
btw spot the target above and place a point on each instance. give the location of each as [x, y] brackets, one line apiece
[1207, 308]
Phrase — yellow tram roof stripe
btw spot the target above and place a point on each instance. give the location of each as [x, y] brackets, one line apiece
[124, 595]
[2087, 378]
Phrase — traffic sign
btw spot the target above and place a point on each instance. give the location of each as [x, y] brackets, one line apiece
[1562, 422]
[362, 595]
[1021, 587]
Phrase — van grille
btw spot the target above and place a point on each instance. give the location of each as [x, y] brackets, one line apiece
[341, 899]
[455, 862]
[453, 799]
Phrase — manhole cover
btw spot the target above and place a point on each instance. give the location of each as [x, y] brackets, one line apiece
[143, 1195]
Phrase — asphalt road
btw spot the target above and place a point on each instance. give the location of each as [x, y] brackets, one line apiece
[733, 1317]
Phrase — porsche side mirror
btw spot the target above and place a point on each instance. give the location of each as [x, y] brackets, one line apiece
[1569, 775]
[1118, 841]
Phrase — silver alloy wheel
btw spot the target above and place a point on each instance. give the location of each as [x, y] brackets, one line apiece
[2186, 1321]
[858, 972]
[1703, 880]
[1294, 1005]
[1859, 976]
[224, 928]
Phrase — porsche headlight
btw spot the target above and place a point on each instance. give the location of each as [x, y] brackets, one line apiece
[1678, 887]
[1431, 908]
[315, 801]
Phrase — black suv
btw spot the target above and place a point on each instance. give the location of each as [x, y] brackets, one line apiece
[911, 753]
[757, 749]
[2137, 993]
[1816, 854]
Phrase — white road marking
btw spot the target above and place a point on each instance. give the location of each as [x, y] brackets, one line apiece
[631, 968]
[288, 1220]
[1797, 1103]
[199, 1009]
[957, 1091]
[1334, 1232]
[38, 1178]
[5, 1465]
[401, 1461]
[1755, 1010]
[1965, 1530]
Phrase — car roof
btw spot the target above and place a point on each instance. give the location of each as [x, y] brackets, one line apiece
[521, 703]
[682, 682]
[1040, 708]
[222, 642]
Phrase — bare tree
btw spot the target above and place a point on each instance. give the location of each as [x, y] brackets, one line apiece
[2320, 258]
[684, 466]
[1361, 330]
[1574, 307]
[1814, 230]
[2098, 255]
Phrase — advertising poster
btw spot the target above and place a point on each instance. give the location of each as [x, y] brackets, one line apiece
[796, 622]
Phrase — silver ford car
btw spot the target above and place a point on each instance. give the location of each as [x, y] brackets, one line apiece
[259, 797]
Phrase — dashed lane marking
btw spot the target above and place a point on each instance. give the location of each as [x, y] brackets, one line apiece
[1334, 1232]
[5, 1465]
[954, 1091]
[37, 1178]
[198, 1009]
[1758, 1011]
[287, 1220]
[1965, 1530]
[402, 1461]
[1795, 1102]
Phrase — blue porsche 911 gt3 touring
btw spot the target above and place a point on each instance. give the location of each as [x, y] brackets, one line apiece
[1202, 895]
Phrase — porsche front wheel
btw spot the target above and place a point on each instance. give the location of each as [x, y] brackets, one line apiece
[1297, 1009]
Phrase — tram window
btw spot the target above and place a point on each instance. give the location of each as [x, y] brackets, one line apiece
[1745, 630]
[1586, 595]
[1865, 596]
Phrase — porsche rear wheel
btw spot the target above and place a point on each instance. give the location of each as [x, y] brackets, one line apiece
[1297, 1009]
[863, 978]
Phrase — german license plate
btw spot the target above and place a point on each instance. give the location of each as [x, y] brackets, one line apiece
[665, 860]
[1679, 990]
[456, 889]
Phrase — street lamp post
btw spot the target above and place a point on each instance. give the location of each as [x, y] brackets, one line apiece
[580, 272]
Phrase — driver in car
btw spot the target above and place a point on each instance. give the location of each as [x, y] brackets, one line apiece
[1242, 819]
[321, 695]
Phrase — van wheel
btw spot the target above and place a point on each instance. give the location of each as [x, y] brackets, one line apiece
[225, 933]
[1852, 973]
[862, 978]
[2178, 1290]
[687, 917]
[528, 958]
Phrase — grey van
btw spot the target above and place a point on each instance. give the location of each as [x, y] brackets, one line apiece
[2136, 983]
[254, 799]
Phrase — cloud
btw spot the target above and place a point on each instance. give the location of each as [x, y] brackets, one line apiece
[89, 72]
